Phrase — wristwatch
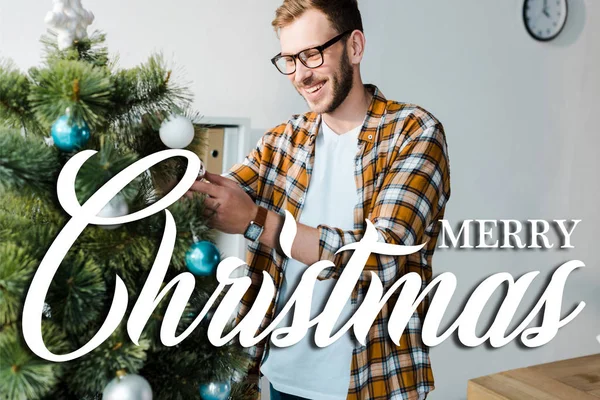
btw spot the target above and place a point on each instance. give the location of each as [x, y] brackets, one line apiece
[256, 227]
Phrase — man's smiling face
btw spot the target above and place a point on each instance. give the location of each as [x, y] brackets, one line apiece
[326, 87]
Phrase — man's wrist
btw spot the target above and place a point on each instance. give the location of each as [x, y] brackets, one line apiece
[252, 213]
[270, 235]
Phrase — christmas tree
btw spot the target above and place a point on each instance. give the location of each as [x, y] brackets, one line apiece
[79, 99]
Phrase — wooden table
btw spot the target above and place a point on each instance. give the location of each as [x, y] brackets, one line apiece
[573, 379]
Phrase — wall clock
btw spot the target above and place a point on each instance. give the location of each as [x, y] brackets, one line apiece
[544, 19]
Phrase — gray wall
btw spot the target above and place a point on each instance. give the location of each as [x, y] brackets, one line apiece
[520, 118]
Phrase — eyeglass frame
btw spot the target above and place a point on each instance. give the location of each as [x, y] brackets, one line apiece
[320, 48]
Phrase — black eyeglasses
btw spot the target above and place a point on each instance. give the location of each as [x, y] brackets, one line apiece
[311, 58]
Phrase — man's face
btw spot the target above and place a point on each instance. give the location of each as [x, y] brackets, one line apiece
[326, 87]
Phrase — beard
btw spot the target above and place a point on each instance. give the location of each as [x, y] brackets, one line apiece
[341, 84]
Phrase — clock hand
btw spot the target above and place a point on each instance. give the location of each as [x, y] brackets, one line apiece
[545, 9]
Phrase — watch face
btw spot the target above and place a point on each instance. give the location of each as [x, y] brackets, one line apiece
[544, 19]
[253, 231]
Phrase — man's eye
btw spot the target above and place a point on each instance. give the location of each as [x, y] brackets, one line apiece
[310, 55]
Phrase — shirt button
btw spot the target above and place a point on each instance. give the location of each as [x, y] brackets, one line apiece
[370, 137]
[302, 199]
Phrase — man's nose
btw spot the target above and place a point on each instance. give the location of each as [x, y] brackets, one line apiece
[302, 73]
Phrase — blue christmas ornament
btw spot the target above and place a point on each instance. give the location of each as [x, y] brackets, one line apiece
[215, 391]
[69, 136]
[202, 258]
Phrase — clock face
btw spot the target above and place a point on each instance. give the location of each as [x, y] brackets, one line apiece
[544, 19]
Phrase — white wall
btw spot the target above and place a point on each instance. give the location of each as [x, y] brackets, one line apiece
[519, 117]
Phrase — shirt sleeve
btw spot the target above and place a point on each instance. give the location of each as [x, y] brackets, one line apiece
[414, 191]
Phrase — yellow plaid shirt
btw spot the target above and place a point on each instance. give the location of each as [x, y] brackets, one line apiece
[403, 180]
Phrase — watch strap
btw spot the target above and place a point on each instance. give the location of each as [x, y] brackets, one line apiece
[261, 217]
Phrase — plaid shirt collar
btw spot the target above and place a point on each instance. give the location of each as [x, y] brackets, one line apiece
[372, 118]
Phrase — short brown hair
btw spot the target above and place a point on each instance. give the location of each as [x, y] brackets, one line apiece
[343, 14]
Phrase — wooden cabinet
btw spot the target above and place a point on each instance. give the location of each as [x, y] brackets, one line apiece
[213, 157]
[573, 379]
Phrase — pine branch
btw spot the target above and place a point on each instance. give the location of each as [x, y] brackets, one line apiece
[243, 391]
[26, 163]
[187, 214]
[146, 91]
[15, 110]
[90, 50]
[119, 252]
[16, 270]
[90, 374]
[76, 294]
[177, 372]
[76, 85]
[29, 221]
[25, 233]
[102, 167]
[23, 375]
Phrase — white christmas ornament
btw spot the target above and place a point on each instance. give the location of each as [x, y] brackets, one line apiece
[127, 387]
[176, 132]
[117, 207]
[69, 20]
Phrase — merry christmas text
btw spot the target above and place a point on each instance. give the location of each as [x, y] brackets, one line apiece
[183, 285]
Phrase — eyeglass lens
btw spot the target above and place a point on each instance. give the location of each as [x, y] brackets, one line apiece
[311, 58]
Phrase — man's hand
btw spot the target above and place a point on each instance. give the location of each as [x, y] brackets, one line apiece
[229, 208]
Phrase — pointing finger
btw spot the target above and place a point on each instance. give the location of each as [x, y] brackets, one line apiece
[219, 180]
[206, 188]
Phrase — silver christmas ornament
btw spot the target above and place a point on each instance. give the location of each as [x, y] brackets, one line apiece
[117, 207]
[127, 387]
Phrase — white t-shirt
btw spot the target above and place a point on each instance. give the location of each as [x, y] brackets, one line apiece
[304, 369]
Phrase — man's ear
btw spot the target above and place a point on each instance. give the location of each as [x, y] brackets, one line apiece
[356, 46]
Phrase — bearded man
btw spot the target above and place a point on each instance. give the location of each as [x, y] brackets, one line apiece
[354, 156]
